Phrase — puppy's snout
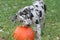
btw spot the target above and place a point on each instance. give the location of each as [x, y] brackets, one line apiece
[21, 20]
[14, 18]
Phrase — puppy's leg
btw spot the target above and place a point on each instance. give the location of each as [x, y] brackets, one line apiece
[37, 30]
[42, 22]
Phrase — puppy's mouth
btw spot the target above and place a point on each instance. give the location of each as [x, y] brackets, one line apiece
[21, 20]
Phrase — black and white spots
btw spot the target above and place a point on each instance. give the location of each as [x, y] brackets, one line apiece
[34, 13]
[40, 13]
[37, 22]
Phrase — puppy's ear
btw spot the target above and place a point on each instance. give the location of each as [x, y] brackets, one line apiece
[14, 18]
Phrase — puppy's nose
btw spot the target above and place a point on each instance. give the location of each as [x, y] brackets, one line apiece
[21, 20]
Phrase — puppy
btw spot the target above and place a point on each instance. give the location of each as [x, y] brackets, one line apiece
[33, 14]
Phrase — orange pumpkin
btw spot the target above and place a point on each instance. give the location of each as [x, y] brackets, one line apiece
[23, 33]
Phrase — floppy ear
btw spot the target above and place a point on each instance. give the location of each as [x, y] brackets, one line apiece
[14, 18]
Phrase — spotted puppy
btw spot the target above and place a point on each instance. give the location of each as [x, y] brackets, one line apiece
[33, 14]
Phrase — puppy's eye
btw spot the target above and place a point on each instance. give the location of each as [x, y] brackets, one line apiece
[25, 12]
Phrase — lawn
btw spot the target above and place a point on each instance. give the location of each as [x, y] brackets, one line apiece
[8, 8]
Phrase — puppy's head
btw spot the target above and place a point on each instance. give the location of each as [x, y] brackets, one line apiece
[23, 16]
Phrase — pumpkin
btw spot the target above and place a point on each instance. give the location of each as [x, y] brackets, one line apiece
[23, 33]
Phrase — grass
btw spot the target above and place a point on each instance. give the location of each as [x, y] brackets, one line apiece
[8, 8]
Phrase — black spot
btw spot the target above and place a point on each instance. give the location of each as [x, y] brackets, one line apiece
[36, 9]
[40, 13]
[31, 15]
[25, 12]
[21, 13]
[36, 5]
[42, 7]
[45, 8]
[32, 9]
[37, 22]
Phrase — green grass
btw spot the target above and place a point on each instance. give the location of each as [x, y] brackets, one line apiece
[9, 7]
